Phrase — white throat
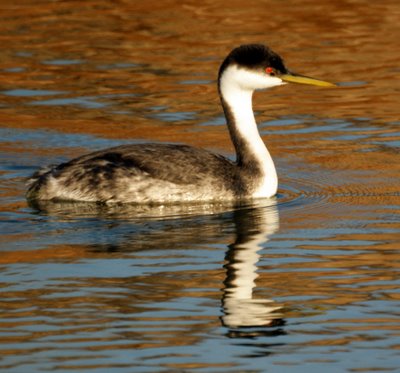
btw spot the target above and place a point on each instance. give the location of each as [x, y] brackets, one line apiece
[237, 87]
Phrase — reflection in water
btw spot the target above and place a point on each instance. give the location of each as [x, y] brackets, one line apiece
[253, 229]
[128, 211]
[253, 226]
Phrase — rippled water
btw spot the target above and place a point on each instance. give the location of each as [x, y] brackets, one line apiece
[308, 281]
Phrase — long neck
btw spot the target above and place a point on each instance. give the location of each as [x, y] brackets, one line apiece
[253, 156]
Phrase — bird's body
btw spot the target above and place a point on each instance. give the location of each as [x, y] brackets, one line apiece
[156, 173]
[167, 173]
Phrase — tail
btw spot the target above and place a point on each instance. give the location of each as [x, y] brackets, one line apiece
[37, 181]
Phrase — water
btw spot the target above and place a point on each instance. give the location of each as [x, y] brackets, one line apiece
[305, 282]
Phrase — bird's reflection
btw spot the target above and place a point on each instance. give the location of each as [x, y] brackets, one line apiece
[136, 212]
[254, 228]
[179, 226]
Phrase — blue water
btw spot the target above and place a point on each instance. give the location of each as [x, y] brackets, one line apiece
[96, 289]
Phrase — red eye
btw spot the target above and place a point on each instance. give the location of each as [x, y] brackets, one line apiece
[269, 70]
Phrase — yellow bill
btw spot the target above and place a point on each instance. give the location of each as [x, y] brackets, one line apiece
[300, 79]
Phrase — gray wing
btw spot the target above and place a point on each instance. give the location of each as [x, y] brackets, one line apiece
[178, 164]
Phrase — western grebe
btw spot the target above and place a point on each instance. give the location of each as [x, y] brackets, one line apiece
[168, 173]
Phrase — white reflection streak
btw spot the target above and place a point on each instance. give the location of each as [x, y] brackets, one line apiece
[239, 306]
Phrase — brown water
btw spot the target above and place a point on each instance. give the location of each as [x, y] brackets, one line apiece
[308, 282]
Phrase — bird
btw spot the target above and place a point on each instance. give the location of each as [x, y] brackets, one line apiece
[162, 173]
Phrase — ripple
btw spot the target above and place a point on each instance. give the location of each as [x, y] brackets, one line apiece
[23, 92]
[63, 62]
[321, 188]
[301, 192]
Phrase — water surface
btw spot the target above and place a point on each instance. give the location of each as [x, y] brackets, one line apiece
[305, 282]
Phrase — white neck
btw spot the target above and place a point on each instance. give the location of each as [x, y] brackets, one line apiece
[249, 146]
